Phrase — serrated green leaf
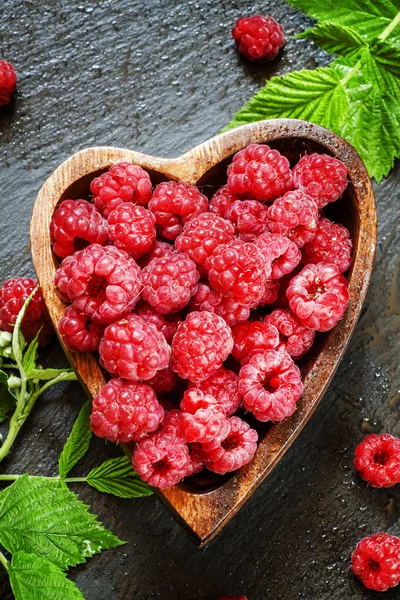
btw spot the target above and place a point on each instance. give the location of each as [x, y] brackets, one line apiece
[7, 399]
[336, 39]
[29, 358]
[116, 476]
[44, 517]
[380, 65]
[78, 442]
[47, 374]
[33, 577]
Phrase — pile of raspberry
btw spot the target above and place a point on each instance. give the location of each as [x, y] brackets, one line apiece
[200, 308]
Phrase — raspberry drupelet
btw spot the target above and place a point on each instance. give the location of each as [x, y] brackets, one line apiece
[103, 282]
[158, 250]
[222, 200]
[322, 177]
[318, 296]
[280, 254]
[259, 173]
[271, 385]
[252, 337]
[249, 218]
[201, 344]
[295, 215]
[203, 418]
[76, 223]
[125, 411]
[133, 349]
[376, 561]
[207, 299]
[8, 82]
[331, 244]
[223, 385]
[77, 331]
[258, 38]
[174, 203]
[167, 324]
[295, 337]
[132, 228]
[377, 459]
[123, 182]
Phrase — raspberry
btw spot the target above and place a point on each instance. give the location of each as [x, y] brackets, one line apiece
[78, 333]
[249, 218]
[102, 282]
[295, 338]
[133, 349]
[295, 215]
[258, 38]
[271, 291]
[203, 418]
[259, 173]
[207, 299]
[236, 270]
[172, 423]
[163, 381]
[284, 282]
[125, 412]
[376, 561]
[221, 201]
[322, 177]
[318, 296]
[13, 294]
[223, 386]
[170, 282]
[158, 250]
[252, 337]
[123, 182]
[279, 252]
[74, 222]
[200, 346]
[8, 82]
[231, 598]
[196, 460]
[174, 203]
[331, 244]
[271, 385]
[202, 235]
[162, 459]
[132, 228]
[233, 449]
[165, 323]
[377, 459]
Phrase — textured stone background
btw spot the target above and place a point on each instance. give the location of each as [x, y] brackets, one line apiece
[160, 77]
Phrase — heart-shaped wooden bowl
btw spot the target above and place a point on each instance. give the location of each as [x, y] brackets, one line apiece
[205, 506]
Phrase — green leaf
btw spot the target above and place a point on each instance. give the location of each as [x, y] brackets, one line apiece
[18, 342]
[7, 399]
[29, 358]
[116, 476]
[380, 65]
[78, 442]
[33, 577]
[42, 516]
[47, 374]
[336, 39]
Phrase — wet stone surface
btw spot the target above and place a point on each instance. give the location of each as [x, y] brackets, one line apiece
[160, 77]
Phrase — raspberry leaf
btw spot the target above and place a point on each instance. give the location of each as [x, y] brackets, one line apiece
[336, 39]
[78, 442]
[7, 399]
[48, 374]
[116, 476]
[380, 65]
[29, 358]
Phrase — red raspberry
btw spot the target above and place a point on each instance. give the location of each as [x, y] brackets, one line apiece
[200, 346]
[13, 294]
[158, 250]
[295, 338]
[331, 244]
[231, 598]
[279, 252]
[249, 218]
[170, 282]
[207, 299]
[167, 324]
[221, 201]
[123, 182]
[322, 177]
[172, 423]
[258, 38]
[163, 381]
[203, 418]
[284, 283]
[233, 449]
[133, 349]
[253, 337]
[271, 291]
[196, 460]
[259, 173]
[174, 203]
[271, 385]
[132, 228]
[223, 386]
[377, 459]
[74, 222]
[8, 82]
[376, 561]
[236, 270]
[103, 282]
[295, 215]
[162, 459]
[78, 333]
[202, 235]
[125, 412]
[318, 296]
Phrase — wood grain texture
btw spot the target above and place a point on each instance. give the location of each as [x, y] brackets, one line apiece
[204, 511]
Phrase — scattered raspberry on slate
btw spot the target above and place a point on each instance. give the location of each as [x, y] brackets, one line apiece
[259, 173]
[231, 598]
[13, 294]
[200, 346]
[167, 324]
[174, 203]
[8, 82]
[295, 215]
[78, 332]
[158, 250]
[125, 411]
[207, 299]
[319, 296]
[163, 381]
[295, 338]
[223, 385]
[249, 218]
[132, 228]
[222, 200]
[123, 182]
[258, 38]
[133, 349]
[252, 337]
[271, 291]
[322, 177]
[331, 244]
[75, 224]
[376, 561]
[377, 459]
[271, 385]
[203, 418]
[278, 252]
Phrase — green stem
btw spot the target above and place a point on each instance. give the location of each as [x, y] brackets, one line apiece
[56, 478]
[349, 75]
[386, 32]
[4, 561]
[9, 366]
[67, 376]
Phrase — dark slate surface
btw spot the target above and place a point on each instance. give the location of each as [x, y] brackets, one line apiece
[160, 77]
